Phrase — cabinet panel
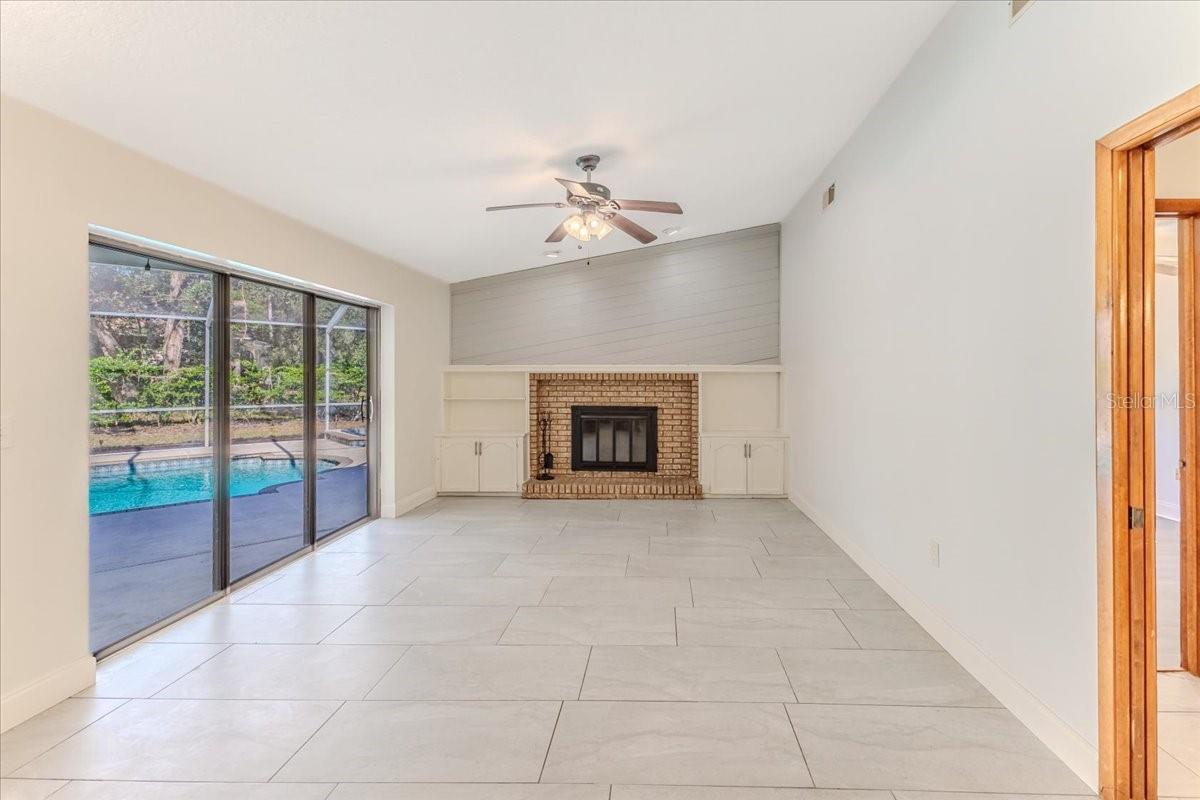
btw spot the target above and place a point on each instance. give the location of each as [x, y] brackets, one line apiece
[458, 466]
[498, 465]
[727, 466]
[765, 467]
[745, 402]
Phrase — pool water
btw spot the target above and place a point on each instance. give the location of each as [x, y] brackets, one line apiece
[146, 484]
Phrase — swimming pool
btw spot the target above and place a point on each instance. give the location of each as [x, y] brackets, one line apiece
[146, 484]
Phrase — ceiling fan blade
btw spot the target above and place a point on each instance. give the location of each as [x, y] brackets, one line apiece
[559, 233]
[632, 228]
[526, 205]
[660, 206]
[574, 187]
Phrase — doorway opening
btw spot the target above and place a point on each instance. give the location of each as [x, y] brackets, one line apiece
[1131, 372]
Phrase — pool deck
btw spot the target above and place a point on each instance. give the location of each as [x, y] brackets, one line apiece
[346, 455]
[149, 563]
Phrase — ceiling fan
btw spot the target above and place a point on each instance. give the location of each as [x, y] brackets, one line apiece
[596, 213]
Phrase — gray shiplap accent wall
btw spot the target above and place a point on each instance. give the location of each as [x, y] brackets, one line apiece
[709, 300]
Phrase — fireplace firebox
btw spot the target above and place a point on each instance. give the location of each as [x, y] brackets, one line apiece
[617, 438]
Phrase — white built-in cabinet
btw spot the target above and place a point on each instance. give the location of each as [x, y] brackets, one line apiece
[485, 417]
[473, 463]
[744, 465]
[484, 445]
[725, 460]
[743, 450]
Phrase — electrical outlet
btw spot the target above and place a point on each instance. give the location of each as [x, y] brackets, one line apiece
[935, 552]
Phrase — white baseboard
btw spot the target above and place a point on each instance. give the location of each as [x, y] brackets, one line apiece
[28, 701]
[1168, 510]
[406, 504]
[1062, 739]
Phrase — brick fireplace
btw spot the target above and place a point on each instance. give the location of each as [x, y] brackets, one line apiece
[676, 397]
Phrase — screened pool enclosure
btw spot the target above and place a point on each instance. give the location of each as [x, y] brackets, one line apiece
[230, 428]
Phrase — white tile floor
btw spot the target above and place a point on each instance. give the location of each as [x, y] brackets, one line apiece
[1178, 692]
[543, 650]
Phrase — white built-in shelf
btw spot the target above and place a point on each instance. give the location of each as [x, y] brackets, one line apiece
[484, 403]
[480, 434]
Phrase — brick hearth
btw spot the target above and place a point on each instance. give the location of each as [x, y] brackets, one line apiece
[677, 396]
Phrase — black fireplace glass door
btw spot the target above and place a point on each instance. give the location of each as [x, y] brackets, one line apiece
[590, 449]
[614, 438]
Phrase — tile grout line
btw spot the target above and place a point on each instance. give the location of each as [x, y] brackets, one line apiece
[842, 597]
[787, 715]
[600, 700]
[339, 626]
[122, 704]
[406, 587]
[224, 649]
[787, 675]
[324, 722]
[382, 556]
[546, 591]
[550, 743]
[407, 649]
[583, 679]
[842, 622]
[66, 783]
[511, 617]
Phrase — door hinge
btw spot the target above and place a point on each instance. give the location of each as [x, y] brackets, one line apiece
[1137, 518]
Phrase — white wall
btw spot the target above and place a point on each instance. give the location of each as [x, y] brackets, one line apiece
[938, 336]
[1177, 175]
[1166, 387]
[56, 180]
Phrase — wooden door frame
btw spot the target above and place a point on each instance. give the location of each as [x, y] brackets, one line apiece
[1125, 508]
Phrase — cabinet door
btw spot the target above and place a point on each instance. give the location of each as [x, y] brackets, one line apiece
[498, 465]
[727, 466]
[766, 466]
[458, 466]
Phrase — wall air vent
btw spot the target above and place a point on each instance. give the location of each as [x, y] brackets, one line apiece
[1015, 9]
[827, 196]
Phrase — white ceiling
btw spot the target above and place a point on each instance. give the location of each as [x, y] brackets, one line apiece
[393, 125]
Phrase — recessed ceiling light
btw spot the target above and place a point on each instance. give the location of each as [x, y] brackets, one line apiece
[552, 253]
[671, 231]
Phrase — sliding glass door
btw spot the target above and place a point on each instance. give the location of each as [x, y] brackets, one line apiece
[229, 428]
[150, 490]
[266, 425]
[343, 415]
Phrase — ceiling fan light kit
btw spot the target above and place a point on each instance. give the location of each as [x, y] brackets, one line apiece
[587, 226]
[596, 212]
